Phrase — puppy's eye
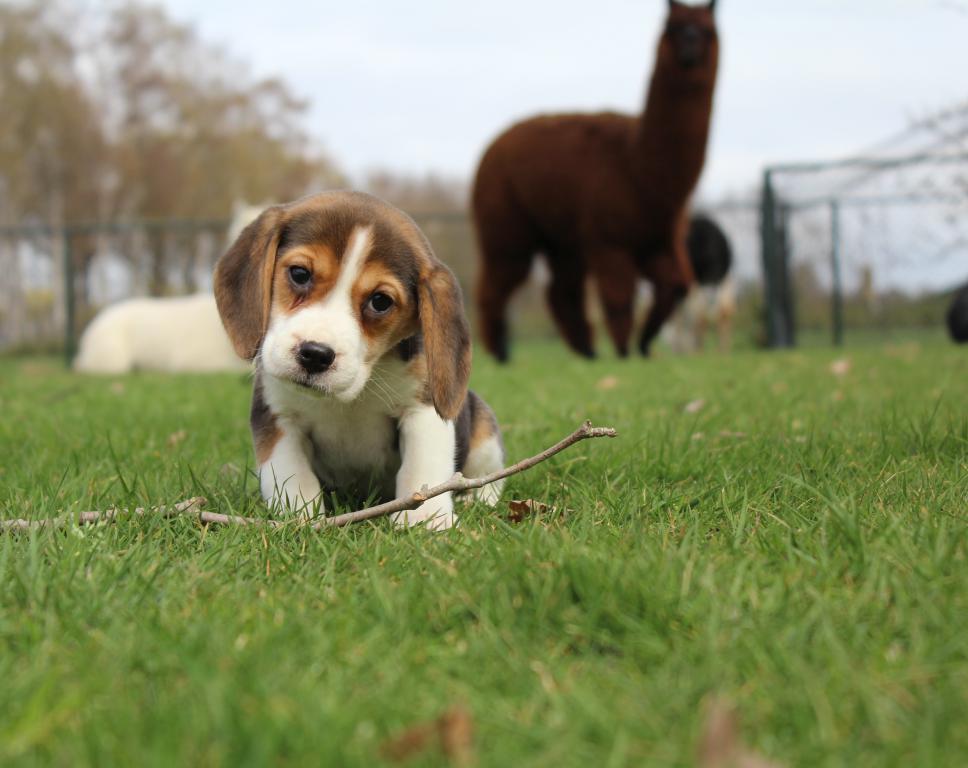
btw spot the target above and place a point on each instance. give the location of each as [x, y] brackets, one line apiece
[299, 275]
[379, 304]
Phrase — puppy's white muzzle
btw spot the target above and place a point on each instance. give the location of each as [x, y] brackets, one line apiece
[318, 346]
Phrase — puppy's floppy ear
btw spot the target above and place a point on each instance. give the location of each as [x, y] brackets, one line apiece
[243, 282]
[447, 338]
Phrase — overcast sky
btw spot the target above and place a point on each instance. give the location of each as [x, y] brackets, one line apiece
[423, 86]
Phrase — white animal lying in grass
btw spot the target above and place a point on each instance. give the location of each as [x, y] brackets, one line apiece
[183, 333]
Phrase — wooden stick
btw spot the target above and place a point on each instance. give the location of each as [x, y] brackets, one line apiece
[460, 483]
[194, 505]
[188, 507]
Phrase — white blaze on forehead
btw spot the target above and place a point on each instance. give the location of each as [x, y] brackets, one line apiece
[333, 322]
[349, 268]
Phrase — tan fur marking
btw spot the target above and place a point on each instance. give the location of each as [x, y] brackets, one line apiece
[320, 259]
[417, 368]
[265, 440]
[265, 431]
[400, 322]
[484, 426]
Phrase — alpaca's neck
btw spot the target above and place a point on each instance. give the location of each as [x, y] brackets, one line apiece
[673, 130]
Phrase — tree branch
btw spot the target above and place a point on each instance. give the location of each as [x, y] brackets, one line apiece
[194, 505]
[460, 483]
[188, 507]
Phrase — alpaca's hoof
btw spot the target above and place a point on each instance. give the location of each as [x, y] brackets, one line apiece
[498, 347]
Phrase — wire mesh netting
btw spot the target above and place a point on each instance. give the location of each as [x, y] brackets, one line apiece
[875, 242]
[54, 280]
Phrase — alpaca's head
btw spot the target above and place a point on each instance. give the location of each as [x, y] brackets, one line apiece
[689, 41]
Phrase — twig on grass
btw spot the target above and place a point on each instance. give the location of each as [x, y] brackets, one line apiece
[460, 483]
[194, 505]
[190, 506]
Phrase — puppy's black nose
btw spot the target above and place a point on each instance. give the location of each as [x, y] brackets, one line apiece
[315, 357]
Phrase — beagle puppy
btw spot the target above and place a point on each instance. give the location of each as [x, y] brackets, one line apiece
[362, 357]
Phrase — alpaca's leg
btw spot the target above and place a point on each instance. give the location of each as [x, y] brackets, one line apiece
[666, 297]
[566, 299]
[616, 279]
[672, 277]
[506, 244]
[671, 280]
[499, 279]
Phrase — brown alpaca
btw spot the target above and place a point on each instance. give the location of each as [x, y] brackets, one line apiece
[601, 193]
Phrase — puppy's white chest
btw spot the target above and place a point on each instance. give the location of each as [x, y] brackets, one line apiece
[354, 449]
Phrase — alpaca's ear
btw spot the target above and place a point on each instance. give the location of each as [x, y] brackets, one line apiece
[243, 282]
[447, 339]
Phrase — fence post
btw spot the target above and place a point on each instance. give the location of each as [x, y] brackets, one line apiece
[837, 291]
[777, 291]
[70, 319]
[767, 248]
[788, 301]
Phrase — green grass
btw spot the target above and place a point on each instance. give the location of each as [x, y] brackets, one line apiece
[798, 546]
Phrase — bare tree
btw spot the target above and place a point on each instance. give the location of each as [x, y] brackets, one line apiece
[124, 113]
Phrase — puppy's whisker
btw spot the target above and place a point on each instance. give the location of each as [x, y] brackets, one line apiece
[374, 388]
[382, 391]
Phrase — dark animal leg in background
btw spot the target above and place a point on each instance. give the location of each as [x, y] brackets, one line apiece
[616, 279]
[506, 244]
[494, 290]
[566, 298]
[671, 275]
[666, 297]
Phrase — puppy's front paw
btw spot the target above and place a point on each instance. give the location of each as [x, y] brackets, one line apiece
[489, 494]
[298, 505]
[294, 496]
[437, 514]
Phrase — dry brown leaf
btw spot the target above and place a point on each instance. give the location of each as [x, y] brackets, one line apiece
[116, 388]
[840, 367]
[521, 509]
[452, 734]
[456, 731]
[606, 383]
[694, 406]
[176, 437]
[720, 745]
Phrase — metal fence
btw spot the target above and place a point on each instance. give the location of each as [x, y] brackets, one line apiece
[872, 243]
[54, 279]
